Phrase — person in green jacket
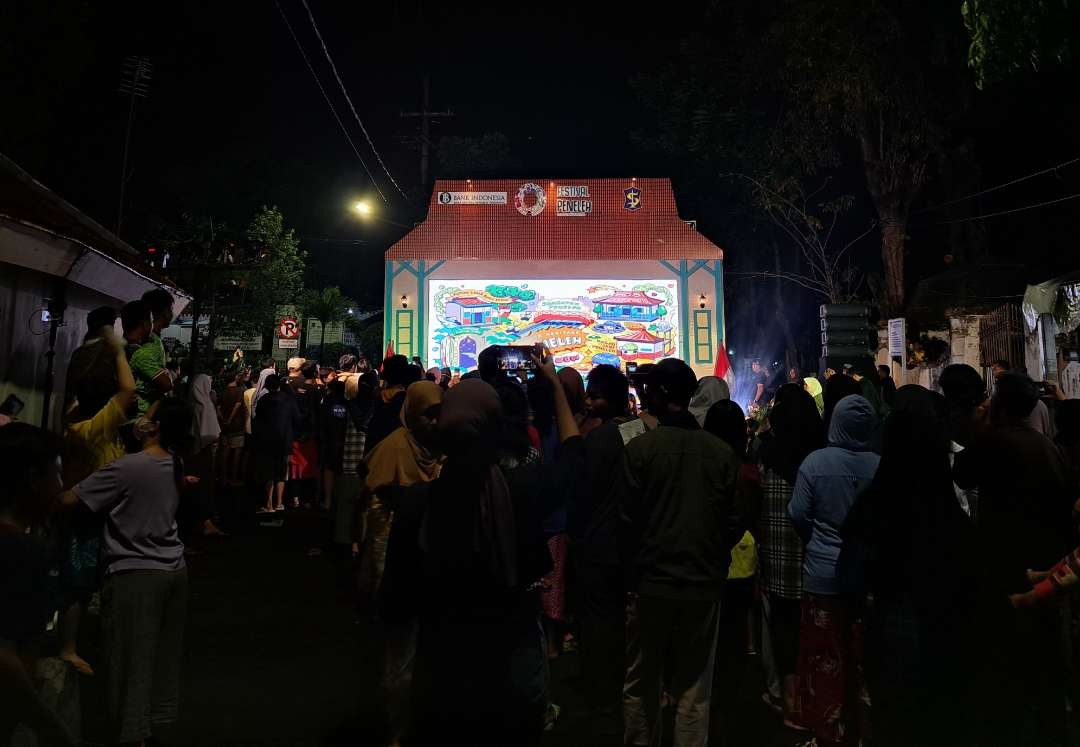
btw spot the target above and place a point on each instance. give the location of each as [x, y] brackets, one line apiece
[676, 498]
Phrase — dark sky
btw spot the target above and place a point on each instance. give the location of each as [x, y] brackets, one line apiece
[234, 119]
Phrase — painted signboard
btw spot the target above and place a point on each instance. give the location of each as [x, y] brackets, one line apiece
[582, 322]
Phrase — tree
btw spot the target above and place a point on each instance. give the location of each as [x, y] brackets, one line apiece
[809, 223]
[883, 75]
[280, 273]
[329, 306]
[1008, 36]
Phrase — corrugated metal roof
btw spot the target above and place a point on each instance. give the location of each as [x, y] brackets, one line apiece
[610, 230]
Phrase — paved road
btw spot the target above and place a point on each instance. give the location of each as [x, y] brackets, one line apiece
[275, 655]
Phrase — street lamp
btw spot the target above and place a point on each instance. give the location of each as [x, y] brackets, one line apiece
[364, 209]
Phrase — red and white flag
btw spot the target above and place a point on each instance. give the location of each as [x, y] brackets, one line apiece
[723, 368]
[389, 352]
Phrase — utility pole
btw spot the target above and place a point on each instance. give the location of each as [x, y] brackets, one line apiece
[135, 83]
[426, 116]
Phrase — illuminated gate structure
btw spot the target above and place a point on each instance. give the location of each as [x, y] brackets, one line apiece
[598, 270]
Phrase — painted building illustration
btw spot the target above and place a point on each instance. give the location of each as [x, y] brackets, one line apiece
[596, 270]
[470, 310]
[629, 305]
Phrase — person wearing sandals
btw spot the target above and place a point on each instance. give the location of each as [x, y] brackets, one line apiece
[276, 420]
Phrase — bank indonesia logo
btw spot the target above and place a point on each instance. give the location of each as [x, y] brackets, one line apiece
[445, 198]
[631, 198]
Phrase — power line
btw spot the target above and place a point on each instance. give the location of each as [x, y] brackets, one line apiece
[363, 129]
[1070, 162]
[329, 103]
[1013, 210]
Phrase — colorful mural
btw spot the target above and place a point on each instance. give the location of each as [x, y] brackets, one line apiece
[582, 322]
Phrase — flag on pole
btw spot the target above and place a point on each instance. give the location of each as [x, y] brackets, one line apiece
[389, 352]
[723, 368]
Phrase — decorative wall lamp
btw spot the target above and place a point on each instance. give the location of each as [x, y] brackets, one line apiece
[404, 301]
[701, 301]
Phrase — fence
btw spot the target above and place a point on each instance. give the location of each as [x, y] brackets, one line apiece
[1001, 336]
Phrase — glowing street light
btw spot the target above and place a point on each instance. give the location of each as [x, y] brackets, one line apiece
[364, 209]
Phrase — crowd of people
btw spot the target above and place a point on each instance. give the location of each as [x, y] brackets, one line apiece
[895, 555]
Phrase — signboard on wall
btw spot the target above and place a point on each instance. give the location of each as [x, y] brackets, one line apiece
[583, 322]
[232, 342]
[472, 198]
[897, 339]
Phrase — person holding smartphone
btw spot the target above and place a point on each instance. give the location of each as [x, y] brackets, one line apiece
[91, 441]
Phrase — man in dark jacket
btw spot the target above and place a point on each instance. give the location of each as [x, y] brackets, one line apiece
[676, 502]
[273, 430]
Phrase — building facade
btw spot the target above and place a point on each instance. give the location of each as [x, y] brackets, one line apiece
[597, 270]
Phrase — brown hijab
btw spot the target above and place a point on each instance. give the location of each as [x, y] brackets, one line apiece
[400, 459]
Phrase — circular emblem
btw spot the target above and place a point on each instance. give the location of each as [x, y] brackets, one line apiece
[445, 198]
[530, 199]
[289, 328]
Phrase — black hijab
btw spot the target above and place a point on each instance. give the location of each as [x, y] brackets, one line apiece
[795, 430]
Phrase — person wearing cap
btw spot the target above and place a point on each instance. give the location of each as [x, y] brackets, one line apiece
[295, 376]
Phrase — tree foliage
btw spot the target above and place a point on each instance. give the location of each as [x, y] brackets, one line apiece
[328, 306]
[1008, 36]
[279, 276]
[884, 77]
[792, 92]
[511, 291]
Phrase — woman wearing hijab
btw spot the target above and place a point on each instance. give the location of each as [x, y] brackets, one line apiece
[727, 421]
[920, 652]
[795, 431]
[408, 456]
[574, 386]
[206, 430]
[465, 558]
[269, 369]
[711, 390]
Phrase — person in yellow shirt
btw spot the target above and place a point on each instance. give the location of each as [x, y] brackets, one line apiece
[91, 440]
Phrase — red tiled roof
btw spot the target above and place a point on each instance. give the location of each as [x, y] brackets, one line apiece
[470, 301]
[629, 298]
[498, 232]
[639, 335]
[552, 316]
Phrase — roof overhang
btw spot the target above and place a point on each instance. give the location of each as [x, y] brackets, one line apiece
[624, 220]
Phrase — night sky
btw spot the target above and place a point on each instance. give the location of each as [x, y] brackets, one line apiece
[234, 119]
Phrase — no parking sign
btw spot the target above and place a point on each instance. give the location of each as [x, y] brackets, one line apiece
[288, 328]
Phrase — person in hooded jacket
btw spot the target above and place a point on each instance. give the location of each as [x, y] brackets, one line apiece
[826, 487]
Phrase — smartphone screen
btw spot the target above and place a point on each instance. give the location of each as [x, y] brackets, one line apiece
[517, 357]
[11, 406]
